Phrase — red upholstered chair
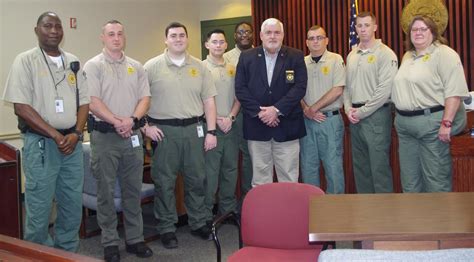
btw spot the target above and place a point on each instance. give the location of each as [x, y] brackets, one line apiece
[274, 224]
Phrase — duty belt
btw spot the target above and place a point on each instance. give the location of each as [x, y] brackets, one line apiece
[356, 105]
[331, 113]
[105, 127]
[420, 112]
[177, 122]
[61, 131]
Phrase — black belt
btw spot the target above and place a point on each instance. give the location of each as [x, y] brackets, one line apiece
[105, 127]
[361, 105]
[420, 112]
[61, 131]
[176, 122]
[331, 113]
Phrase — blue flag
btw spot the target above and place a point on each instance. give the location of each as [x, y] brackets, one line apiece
[353, 39]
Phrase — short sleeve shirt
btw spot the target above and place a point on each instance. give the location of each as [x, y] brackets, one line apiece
[370, 75]
[425, 81]
[178, 92]
[36, 80]
[327, 73]
[232, 56]
[224, 80]
[120, 84]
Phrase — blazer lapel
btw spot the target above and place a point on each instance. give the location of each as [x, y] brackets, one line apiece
[279, 64]
[262, 65]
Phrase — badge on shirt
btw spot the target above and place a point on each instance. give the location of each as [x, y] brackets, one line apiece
[426, 58]
[290, 76]
[59, 104]
[231, 72]
[325, 70]
[371, 59]
[71, 78]
[130, 70]
[135, 141]
[193, 72]
[200, 131]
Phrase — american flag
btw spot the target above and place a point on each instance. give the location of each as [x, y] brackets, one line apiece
[352, 28]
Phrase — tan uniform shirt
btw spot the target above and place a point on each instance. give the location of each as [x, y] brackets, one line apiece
[178, 91]
[425, 81]
[224, 80]
[31, 82]
[327, 73]
[369, 78]
[232, 56]
[119, 84]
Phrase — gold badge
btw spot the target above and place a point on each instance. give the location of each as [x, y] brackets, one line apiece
[425, 58]
[231, 72]
[290, 76]
[325, 70]
[71, 78]
[371, 59]
[130, 70]
[193, 72]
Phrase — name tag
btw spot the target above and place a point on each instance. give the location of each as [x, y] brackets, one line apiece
[59, 105]
[135, 141]
[200, 131]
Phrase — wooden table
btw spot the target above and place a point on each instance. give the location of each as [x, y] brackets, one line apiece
[394, 221]
[13, 249]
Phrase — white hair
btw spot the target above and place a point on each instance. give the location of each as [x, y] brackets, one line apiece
[271, 21]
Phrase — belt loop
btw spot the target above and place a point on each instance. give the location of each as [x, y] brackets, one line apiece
[427, 112]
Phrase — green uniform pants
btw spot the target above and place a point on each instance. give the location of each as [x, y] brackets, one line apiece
[180, 151]
[425, 161]
[50, 174]
[370, 139]
[114, 157]
[221, 172]
[323, 143]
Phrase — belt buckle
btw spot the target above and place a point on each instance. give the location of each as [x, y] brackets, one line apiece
[427, 112]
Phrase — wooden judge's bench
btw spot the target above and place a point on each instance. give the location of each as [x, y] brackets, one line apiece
[462, 151]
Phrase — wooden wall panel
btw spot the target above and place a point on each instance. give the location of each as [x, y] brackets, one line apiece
[299, 15]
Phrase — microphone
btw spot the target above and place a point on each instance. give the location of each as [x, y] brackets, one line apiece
[75, 66]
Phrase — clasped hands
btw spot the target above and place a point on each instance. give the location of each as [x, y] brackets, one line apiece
[123, 126]
[269, 116]
[313, 114]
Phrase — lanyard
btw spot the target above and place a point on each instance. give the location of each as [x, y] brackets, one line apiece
[51, 72]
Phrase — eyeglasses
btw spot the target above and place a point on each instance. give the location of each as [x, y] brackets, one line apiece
[420, 29]
[244, 32]
[319, 38]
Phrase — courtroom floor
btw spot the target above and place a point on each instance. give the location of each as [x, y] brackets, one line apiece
[190, 247]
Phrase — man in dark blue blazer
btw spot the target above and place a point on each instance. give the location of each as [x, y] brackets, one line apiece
[270, 83]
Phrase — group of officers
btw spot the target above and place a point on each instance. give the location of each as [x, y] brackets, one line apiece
[276, 106]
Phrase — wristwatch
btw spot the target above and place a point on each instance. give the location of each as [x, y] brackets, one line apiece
[212, 132]
[232, 117]
[135, 120]
[79, 134]
[278, 112]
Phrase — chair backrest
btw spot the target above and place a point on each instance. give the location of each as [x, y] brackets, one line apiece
[90, 182]
[276, 215]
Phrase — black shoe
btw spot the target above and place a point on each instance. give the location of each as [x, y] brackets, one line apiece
[169, 240]
[140, 249]
[111, 254]
[203, 232]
